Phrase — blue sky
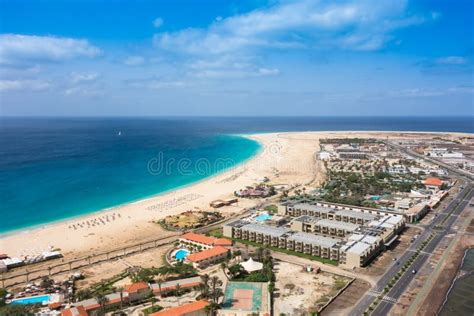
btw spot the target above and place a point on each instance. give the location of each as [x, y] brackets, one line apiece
[246, 58]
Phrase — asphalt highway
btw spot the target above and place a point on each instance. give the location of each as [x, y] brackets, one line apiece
[456, 207]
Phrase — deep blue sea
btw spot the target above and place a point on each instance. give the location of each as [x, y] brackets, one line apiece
[55, 168]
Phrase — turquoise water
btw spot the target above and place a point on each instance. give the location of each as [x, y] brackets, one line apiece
[32, 300]
[181, 254]
[263, 217]
[58, 168]
[256, 295]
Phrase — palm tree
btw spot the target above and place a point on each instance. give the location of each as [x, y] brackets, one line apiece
[102, 301]
[178, 291]
[205, 285]
[120, 290]
[82, 294]
[223, 267]
[216, 294]
[160, 282]
[260, 254]
[212, 307]
[215, 282]
[208, 309]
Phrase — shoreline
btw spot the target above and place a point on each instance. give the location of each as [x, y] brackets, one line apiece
[27, 229]
[292, 162]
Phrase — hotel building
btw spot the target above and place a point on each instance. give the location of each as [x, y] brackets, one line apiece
[352, 238]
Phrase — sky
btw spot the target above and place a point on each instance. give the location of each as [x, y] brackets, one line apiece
[236, 58]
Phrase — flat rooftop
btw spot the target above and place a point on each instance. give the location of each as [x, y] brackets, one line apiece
[237, 224]
[315, 208]
[315, 239]
[267, 230]
[361, 215]
[337, 224]
[356, 247]
[364, 238]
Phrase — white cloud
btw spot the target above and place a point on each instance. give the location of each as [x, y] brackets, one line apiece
[84, 77]
[83, 91]
[27, 49]
[452, 60]
[157, 22]
[17, 85]
[134, 61]
[156, 84]
[228, 66]
[354, 25]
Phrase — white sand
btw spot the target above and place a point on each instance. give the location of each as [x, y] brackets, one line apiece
[286, 158]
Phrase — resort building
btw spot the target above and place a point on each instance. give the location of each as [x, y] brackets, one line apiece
[353, 155]
[433, 183]
[197, 308]
[74, 311]
[91, 306]
[204, 242]
[416, 212]
[326, 247]
[350, 237]
[359, 250]
[342, 213]
[207, 257]
[318, 246]
[311, 224]
[170, 286]
[137, 291]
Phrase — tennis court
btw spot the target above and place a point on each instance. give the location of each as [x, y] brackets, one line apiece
[245, 296]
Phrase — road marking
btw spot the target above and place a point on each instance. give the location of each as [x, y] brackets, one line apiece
[390, 299]
[374, 293]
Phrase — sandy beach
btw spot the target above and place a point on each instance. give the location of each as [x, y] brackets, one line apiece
[285, 158]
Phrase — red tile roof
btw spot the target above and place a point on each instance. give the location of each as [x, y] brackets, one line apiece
[222, 242]
[433, 181]
[135, 287]
[206, 240]
[54, 305]
[206, 254]
[97, 305]
[171, 288]
[74, 311]
[183, 309]
[199, 238]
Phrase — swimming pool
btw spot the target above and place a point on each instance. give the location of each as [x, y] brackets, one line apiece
[40, 299]
[181, 254]
[263, 217]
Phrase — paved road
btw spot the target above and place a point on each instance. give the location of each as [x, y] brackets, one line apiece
[457, 205]
[449, 167]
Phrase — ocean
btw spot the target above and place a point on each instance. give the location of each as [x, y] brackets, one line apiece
[57, 168]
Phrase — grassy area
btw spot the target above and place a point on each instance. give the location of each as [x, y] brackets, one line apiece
[289, 252]
[151, 310]
[271, 209]
[215, 233]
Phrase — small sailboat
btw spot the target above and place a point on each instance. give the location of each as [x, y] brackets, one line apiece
[119, 133]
